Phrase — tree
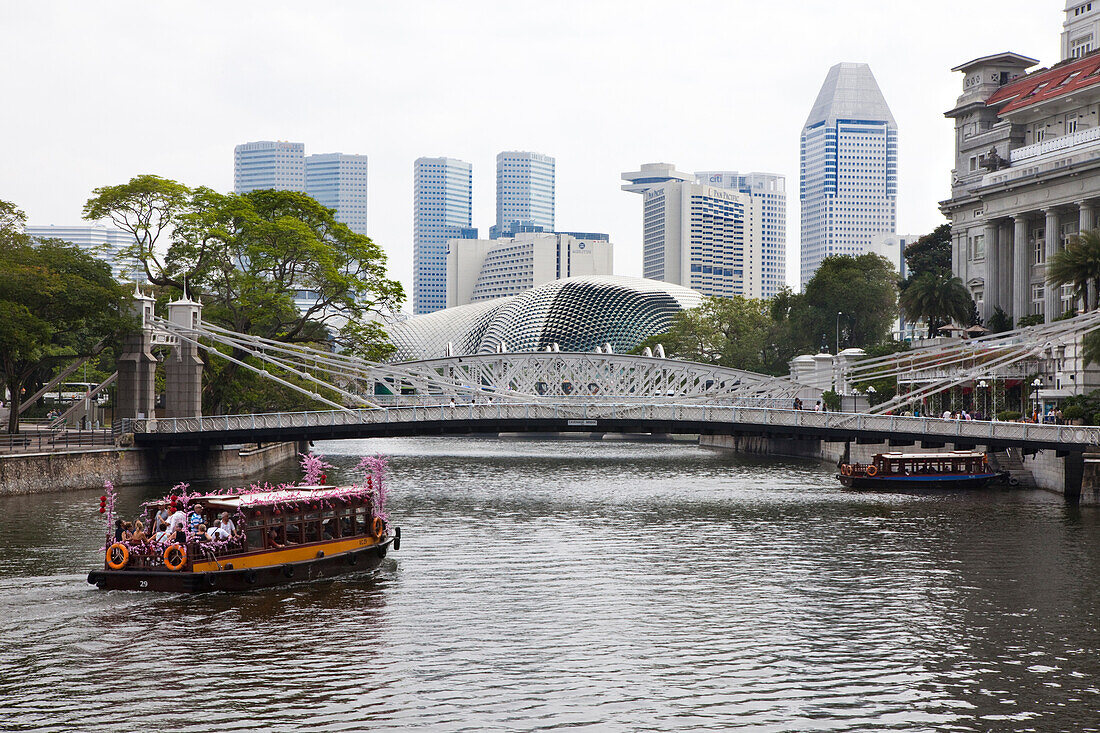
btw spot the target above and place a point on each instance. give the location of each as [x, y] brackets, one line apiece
[937, 297]
[862, 289]
[56, 302]
[731, 332]
[1000, 321]
[146, 207]
[1077, 265]
[930, 253]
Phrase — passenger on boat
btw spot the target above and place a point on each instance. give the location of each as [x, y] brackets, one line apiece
[227, 524]
[327, 529]
[160, 519]
[176, 518]
[118, 530]
[273, 538]
[194, 519]
[139, 532]
[179, 535]
[127, 532]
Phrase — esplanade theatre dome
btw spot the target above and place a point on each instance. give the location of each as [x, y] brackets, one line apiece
[576, 313]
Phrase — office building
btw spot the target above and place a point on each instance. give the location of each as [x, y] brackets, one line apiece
[694, 235]
[892, 248]
[269, 164]
[483, 269]
[767, 250]
[339, 182]
[442, 210]
[525, 192]
[849, 168]
[101, 241]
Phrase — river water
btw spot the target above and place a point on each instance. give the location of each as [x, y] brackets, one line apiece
[584, 586]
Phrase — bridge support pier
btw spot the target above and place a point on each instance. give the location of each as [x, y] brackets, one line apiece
[183, 369]
[137, 367]
[1074, 471]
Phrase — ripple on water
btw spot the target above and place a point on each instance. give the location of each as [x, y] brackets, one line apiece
[575, 585]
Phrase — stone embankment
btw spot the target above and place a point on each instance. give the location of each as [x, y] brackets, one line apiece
[1047, 469]
[32, 473]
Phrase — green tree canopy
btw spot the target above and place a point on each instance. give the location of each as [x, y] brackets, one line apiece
[247, 257]
[937, 297]
[1078, 264]
[728, 331]
[930, 253]
[57, 302]
[863, 290]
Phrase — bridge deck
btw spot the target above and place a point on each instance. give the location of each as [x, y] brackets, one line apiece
[603, 417]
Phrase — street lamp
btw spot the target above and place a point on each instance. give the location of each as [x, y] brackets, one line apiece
[871, 393]
[1036, 384]
[983, 386]
[838, 315]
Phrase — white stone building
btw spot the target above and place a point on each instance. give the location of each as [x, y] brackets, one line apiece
[483, 269]
[848, 168]
[694, 235]
[1026, 179]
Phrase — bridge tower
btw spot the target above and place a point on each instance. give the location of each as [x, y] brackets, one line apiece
[137, 367]
[183, 369]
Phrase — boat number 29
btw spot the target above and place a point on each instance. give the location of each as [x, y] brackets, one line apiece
[143, 584]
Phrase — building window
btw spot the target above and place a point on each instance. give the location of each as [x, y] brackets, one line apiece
[1037, 300]
[973, 162]
[975, 249]
[1037, 245]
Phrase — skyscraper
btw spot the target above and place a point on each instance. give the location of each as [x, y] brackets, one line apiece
[442, 205]
[849, 168]
[525, 192]
[339, 182]
[694, 235]
[268, 164]
[766, 259]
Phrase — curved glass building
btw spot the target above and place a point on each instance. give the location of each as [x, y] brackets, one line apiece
[576, 313]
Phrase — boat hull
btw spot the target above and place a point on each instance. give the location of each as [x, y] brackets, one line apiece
[939, 482]
[245, 578]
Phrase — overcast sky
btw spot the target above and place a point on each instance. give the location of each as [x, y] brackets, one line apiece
[94, 93]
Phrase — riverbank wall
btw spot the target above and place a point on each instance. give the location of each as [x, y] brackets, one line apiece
[33, 473]
[1046, 467]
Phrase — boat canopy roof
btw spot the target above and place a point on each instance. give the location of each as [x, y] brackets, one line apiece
[275, 496]
[933, 456]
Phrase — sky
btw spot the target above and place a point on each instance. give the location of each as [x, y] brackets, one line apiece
[95, 93]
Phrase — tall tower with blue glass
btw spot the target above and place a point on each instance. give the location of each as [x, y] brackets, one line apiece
[442, 210]
[848, 182]
[525, 192]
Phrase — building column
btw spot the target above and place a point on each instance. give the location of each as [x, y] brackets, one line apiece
[1052, 302]
[1084, 225]
[1021, 269]
[992, 270]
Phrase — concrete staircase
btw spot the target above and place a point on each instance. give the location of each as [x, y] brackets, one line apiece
[1012, 460]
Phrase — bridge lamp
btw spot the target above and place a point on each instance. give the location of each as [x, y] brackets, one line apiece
[983, 386]
[1036, 385]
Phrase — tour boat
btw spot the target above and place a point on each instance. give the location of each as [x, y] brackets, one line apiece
[961, 469]
[281, 535]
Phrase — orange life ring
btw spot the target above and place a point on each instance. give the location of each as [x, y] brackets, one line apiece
[872, 470]
[377, 527]
[182, 556]
[114, 564]
[846, 469]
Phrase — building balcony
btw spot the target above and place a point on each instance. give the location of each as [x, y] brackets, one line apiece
[1048, 156]
[1055, 143]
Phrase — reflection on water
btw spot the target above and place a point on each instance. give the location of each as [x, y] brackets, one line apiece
[616, 586]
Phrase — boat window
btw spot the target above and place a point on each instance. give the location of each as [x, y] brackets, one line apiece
[312, 530]
[254, 537]
[361, 517]
[294, 532]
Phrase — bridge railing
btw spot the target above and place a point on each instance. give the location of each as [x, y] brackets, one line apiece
[970, 431]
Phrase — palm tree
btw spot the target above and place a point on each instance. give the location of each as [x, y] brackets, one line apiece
[938, 297]
[1077, 265]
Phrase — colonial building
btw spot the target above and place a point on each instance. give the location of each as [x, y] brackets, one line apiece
[1027, 170]
[1027, 178]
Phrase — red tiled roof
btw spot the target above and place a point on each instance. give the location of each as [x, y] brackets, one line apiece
[1047, 84]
